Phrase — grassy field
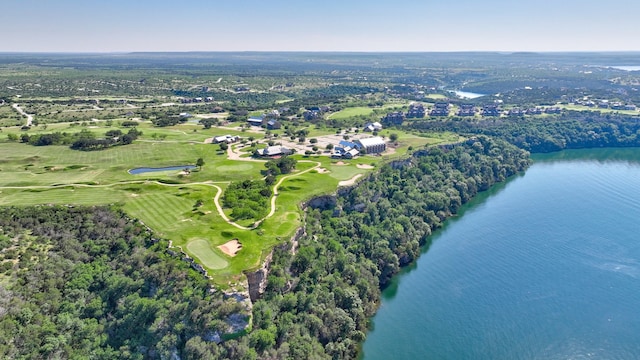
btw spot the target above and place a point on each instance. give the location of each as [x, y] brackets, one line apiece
[167, 201]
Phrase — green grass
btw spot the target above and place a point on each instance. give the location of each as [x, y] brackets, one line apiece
[207, 256]
[351, 112]
[101, 177]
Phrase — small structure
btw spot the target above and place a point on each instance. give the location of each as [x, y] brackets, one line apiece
[375, 126]
[274, 151]
[225, 139]
[373, 145]
[552, 110]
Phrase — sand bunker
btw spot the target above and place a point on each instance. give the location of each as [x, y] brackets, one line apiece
[364, 166]
[231, 248]
[322, 170]
[341, 163]
[208, 140]
[350, 181]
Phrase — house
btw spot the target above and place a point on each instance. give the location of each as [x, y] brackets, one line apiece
[440, 109]
[630, 107]
[273, 125]
[416, 111]
[534, 111]
[274, 151]
[552, 110]
[350, 153]
[394, 118]
[185, 115]
[467, 110]
[376, 126]
[373, 145]
[256, 120]
[346, 152]
[225, 139]
[273, 114]
[217, 109]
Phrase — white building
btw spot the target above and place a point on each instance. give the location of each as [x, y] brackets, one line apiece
[372, 145]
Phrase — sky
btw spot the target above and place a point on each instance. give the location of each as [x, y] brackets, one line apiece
[319, 25]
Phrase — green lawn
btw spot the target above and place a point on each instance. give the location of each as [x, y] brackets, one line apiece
[207, 256]
[166, 201]
[351, 112]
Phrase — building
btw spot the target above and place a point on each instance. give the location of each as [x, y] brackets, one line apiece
[225, 139]
[373, 145]
[256, 121]
[274, 151]
[273, 125]
[416, 111]
[370, 127]
[394, 118]
[490, 110]
[440, 109]
[467, 110]
[349, 144]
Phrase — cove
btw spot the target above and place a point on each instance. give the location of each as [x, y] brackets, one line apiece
[142, 170]
[545, 266]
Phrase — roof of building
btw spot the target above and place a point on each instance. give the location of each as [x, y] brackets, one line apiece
[372, 141]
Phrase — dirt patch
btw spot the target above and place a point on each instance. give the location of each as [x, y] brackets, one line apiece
[350, 181]
[134, 195]
[364, 166]
[208, 140]
[322, 170]
[341, 163]
[231, 248]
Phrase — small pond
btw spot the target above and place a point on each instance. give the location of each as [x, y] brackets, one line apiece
[141, 170]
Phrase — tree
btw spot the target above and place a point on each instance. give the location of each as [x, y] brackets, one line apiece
[393, 137]
[329, 146]
[200, 163]
[224, 146]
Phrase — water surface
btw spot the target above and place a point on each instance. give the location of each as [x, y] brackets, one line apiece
[546, 266]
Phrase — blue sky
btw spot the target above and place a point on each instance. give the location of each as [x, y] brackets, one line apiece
[326, 25]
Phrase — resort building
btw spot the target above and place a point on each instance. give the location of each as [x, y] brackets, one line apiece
[373, 145]
[274, 151]
[225, 139]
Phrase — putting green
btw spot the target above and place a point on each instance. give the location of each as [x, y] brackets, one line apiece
[201, 249]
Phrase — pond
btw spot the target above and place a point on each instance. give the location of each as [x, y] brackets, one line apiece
[142, 170]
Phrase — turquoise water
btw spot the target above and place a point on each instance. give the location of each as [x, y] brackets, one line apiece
[546, 266]
[142, 170]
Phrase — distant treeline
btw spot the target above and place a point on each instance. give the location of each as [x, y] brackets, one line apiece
[83, 140]
[318, 303]
[572, 130]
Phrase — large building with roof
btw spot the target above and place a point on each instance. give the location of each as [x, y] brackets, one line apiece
[372, 145]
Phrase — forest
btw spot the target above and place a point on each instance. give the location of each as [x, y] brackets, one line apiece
[92, 283]
[318, 303]
[572, 130]
[82, 283]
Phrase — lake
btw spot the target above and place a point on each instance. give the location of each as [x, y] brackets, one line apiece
[546, 266]
[467, 95]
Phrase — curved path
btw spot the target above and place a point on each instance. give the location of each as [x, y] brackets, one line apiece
[216, 198]
[23, 113]
[274, 196]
